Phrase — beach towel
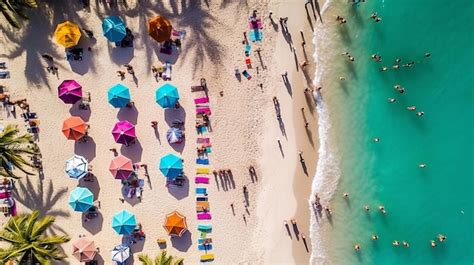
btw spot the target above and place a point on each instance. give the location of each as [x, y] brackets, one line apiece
[203, 110]
[201, 199]
[201, 161]
[201, 191]
[4, 74]
[167, 74]
[201, 240]
[197, 88]
[207, 257]
[208, 150]
[256, 35]
[255, 24]
[204, 216]
[205, 247]
[205, 227]
[202, 170]
[201, 129]
[201, 100]
[202, 105]
[201, 180]
[246, 74]
[247, 50]
[203, 140]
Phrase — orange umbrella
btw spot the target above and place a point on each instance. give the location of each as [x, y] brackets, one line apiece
[159, 28]
[175, 224]
[84, 249]
[74, 128]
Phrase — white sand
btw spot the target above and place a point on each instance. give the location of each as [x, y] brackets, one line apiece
[244, 123]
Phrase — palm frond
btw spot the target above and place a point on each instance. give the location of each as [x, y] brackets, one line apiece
[145, 259]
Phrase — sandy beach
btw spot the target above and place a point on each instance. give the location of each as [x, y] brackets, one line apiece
[245, 129]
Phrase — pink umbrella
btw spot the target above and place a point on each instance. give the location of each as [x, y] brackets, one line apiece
[124, 132]
[84, 249]
[70, 91]
[121, 167]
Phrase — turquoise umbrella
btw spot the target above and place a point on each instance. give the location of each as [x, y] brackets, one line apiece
[124, 222]
[119, 96]
[114, 28]
[167, 96]
[171, 166]
[81, 199]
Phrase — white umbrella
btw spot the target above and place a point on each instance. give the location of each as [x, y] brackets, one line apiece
[76, 167]
[174, 135]
[120, 253]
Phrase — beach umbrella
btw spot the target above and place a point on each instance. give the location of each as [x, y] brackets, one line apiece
[171, 166]
[124, 132]
[114, 28]
[120, 253]
[121, 167]
[175, 224]
[167, 96]
[70, 91]
[124, 222]
[81, 199]
[84, 249]
[67, 34]
[74, 128]
[118, 96]
[77, 167]
[159, 28]
[174, 135]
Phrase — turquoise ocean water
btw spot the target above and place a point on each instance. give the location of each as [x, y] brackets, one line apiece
[420, 203]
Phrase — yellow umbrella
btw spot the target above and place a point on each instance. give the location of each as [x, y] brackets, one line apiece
[67, 34]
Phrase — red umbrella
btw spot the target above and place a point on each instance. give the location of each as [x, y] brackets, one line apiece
[121, 167]
[84, 249]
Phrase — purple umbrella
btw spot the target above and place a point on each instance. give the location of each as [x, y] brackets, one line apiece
[70, 91]
[124, 132]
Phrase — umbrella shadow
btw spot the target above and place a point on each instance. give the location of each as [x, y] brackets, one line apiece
[133, 151]
[182, 243]
[87, 149]
[168, 58]
[93, 185]
[121, 56]
[171, 115]
[95, 224]
[130, 200]
[180, 192]
[84, 114]
[37, 198]
[129, 114]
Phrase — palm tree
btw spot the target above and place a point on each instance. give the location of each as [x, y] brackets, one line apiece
[13, 8]
[29, 245]
[162, 259]
[12, 150]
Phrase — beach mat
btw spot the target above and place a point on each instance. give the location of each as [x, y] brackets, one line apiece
[256, 35]
[204, 228]
[201, 199]
[201, 180]
[201, 161]
[203, 170]
[201, 191]
[203, 140]
[204, 216]
[205, 247]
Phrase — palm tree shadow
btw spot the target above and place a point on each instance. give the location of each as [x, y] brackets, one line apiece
[37, 198]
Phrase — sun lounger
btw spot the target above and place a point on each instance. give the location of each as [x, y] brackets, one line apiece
[204, 216]
[201, 180]
[202, 170]
[4, 74]
[256, 35]
[201, 161]
[201, 191]
[203, 110]
[205, 228]
[247, 49]
[205, 247]
[246, 74]
[201, 100]
[207, 257]
[203, 140]
[248, 63]
[202, 240]
[201, 199]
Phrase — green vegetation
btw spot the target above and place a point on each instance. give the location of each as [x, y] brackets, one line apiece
[12, 9]
[162, 259]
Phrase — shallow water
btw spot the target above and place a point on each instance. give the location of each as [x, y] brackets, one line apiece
[421, 203]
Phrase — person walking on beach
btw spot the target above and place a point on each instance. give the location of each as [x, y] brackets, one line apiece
[301, 157]
[121, 74]
[130, 69]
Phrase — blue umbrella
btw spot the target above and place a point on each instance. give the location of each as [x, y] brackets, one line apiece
[81, 199]
[171, 166]
[124, 222]
[114, 28]
[167, 96]
[118, 96]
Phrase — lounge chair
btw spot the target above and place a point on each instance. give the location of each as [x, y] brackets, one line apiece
[201, 191]
[4, 74]
[201, 161]
[247, 50]
[201, 199]
[201, 100]
[205, 228]
[204, 216]
[246, 74]
[203, 170]
[201, 180]
[207, 257]
[248, 62]
[203, 140]
[256, 35]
